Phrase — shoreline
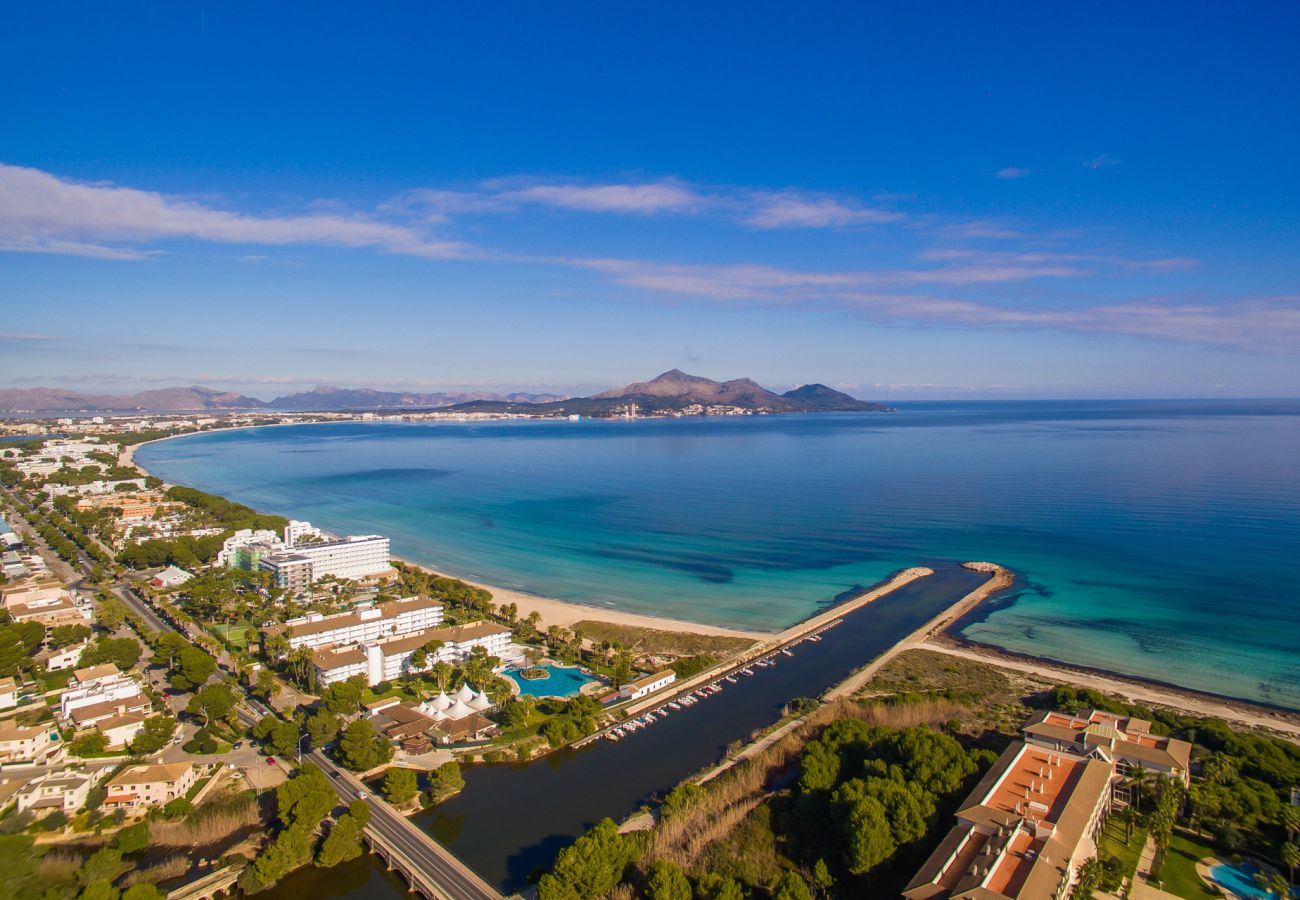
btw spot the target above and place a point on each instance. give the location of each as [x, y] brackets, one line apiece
[1135, 688]
[566, 612]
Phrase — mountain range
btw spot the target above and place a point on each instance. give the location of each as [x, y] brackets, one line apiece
[201, 399]
[672, 392]
[676, 392]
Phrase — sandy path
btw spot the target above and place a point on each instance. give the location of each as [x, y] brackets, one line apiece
[1196, 704]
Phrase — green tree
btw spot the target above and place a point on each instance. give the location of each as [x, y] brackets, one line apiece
[213, 701]
[359, 810]
[267, 685]
[153, 735]
[322, 727]
[445, 781]
[99, 889]
[361, 748]
[123, 652]
[400, 785]
[590, 867]
[789, 885]
[192, 669]
[92, 743]
[104, 864]
[65, 635]
[1089, 879]
[713, 886]
[868, 838]
[341, 844]
[142, 891]
[667, 881]
[110, 613]
[342, 698]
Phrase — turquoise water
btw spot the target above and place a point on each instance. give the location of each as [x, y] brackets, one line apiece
[563, 682]
[1157, 538]
[1240, 880]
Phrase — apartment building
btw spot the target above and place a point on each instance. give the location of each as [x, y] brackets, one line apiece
[65, 790]
[28, 743]
[52, 611]
[367, 623]
[150, 785]
[353, 557]
[8, 693]
[96, 686]
[385, 660]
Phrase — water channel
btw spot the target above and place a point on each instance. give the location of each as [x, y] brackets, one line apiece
[512, 818]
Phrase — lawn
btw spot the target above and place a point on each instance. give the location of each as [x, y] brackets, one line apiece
[1179, 873]
[235, 635]
[1113, 844]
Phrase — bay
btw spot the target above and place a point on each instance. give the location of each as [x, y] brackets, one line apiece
[1154, 538]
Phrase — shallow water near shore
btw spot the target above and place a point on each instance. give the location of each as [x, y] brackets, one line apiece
[1154, 538]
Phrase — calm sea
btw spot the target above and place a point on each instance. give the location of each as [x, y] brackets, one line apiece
[1157, 538]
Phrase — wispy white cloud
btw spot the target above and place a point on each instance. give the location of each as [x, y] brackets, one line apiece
[650, 198]
[1011, 172]
[1102, 161]
[1263, 324]
[752, 208]
[793, 209]
[7, 338]
[41, 213]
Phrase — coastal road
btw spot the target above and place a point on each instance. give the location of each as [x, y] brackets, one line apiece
[452, 877]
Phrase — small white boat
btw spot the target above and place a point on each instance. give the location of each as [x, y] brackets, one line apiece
[787, 653]
[732, 679]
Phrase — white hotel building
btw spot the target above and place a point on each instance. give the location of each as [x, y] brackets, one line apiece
[384, 660]
[354, 557]
[368, 623]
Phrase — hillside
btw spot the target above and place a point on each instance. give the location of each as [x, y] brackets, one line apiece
[677, 393]
[178, 399]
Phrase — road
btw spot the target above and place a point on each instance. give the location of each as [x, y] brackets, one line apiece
[451, 876]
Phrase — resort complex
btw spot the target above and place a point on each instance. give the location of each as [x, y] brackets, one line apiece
[173, 651]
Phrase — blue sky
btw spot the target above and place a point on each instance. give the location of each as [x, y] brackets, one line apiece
[923, 200]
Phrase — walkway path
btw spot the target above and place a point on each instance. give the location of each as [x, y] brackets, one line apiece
[1142, 888]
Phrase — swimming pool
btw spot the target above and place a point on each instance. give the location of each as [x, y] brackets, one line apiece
[1240, 880]
[560, 682]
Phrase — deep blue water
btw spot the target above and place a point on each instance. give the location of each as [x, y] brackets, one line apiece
[1158, 538]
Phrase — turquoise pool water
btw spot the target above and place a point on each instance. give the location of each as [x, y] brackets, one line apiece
[1240, 880]
[563, 682]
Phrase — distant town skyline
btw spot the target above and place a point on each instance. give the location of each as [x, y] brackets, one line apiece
[932, 202]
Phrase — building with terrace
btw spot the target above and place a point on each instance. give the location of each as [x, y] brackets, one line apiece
[366, 623]
[384, 660]
[1125, 741]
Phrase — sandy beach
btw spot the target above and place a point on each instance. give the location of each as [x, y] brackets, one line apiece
[565, 613]
[552, 611]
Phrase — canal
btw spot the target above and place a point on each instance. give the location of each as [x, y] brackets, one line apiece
[513, 818]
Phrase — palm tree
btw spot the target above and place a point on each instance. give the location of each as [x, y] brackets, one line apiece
[1137, 778]
[1291, 858]
[1274, 883]
[1128, 816]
